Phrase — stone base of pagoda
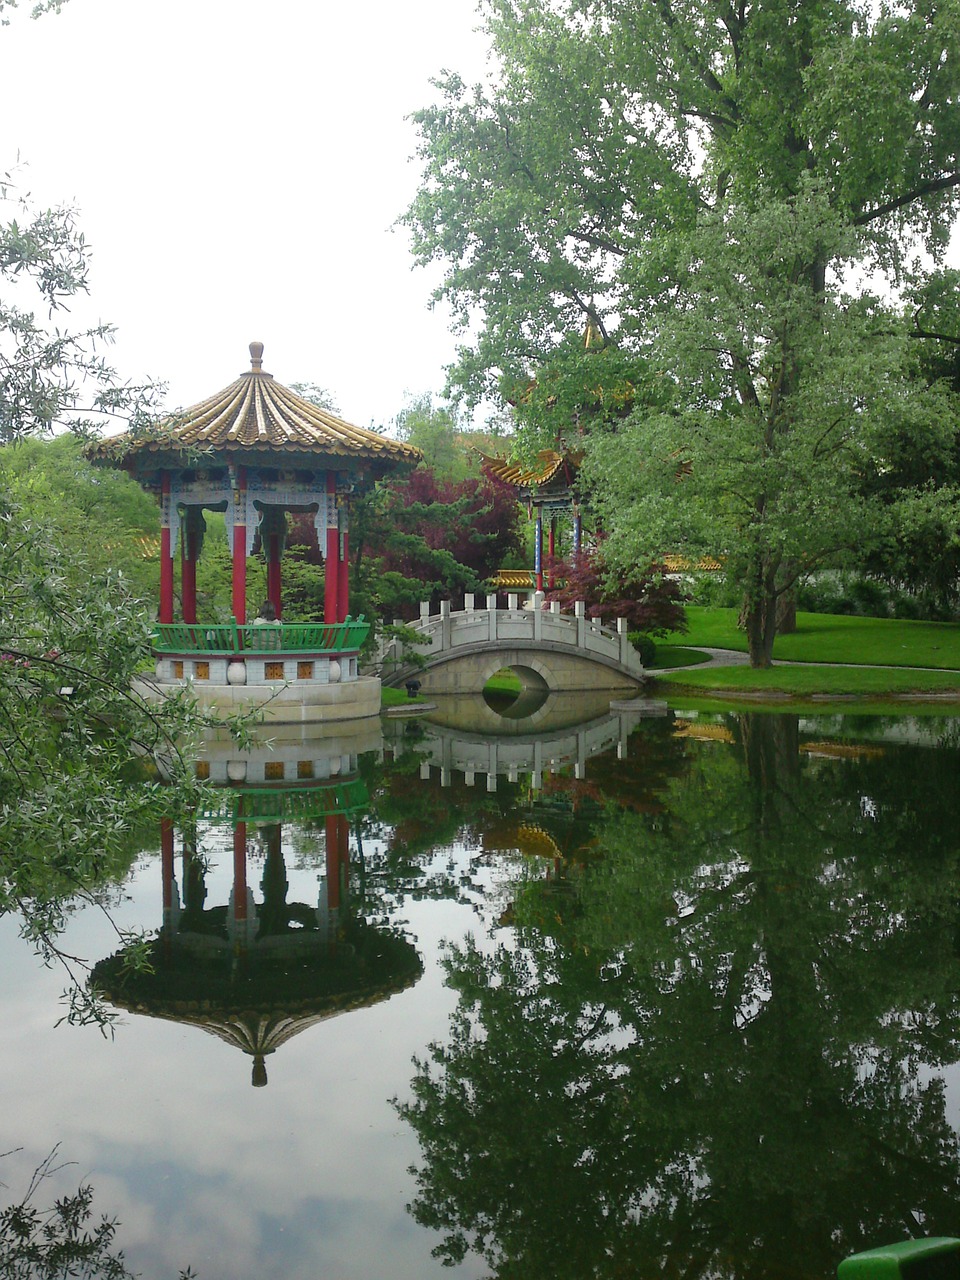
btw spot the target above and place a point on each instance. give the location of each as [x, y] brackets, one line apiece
[304, 701]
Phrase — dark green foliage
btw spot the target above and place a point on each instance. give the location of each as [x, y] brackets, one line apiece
[417, 537]
[97, 509]
[645, 645]
[874, 597]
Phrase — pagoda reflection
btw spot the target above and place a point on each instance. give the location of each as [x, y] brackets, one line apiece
[263, 965]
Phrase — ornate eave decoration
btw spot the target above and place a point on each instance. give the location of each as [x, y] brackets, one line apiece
[550, 481]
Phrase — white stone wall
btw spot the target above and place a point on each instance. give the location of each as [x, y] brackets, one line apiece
[328, 668]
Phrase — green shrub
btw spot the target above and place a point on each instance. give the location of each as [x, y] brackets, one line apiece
[645, 645]
[862, 596]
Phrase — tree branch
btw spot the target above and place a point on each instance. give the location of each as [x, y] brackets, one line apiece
[599, 242]
[920, 332]
[891, 206]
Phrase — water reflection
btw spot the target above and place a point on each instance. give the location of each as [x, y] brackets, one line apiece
[450, 743]
[257, 971]
[716, 1050]
[697, 1013]
[534, 711]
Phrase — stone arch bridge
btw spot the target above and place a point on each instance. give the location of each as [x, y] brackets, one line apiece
[548, 650]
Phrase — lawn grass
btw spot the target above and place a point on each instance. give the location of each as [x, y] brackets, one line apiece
[827, 637]
[676, 655]
[810, 681]
[504, 681]
[397, 698]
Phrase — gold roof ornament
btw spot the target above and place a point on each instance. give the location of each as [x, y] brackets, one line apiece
[256, 415]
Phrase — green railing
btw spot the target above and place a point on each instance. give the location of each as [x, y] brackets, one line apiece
[280, 804]
[267, 637]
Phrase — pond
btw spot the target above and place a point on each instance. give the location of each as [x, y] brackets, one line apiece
[598, 994]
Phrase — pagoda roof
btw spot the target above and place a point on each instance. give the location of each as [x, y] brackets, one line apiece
[256, 415]
[276, 1000]
[552, 469]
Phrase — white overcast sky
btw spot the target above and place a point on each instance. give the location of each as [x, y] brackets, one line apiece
[238, 168]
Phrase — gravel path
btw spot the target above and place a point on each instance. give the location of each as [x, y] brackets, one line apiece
[718, 658]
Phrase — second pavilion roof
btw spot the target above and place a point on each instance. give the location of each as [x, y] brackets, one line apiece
[553, 470]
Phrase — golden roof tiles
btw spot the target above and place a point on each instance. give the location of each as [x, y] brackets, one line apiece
[549, 464]
[259, 415]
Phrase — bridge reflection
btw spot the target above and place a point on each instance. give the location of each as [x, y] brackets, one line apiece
[556, 737]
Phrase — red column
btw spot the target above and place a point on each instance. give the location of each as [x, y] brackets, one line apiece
[240, 871]
[166, 553]
[332, 557]
[343, 593]
[343, 841]
[188, 576]
[166, 862]
[240, 552]
[273, 572]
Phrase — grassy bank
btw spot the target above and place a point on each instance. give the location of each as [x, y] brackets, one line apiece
[397, 698]
[818, 681]
[503, 682]
[827, 637]
[858, 645]
[676, 655]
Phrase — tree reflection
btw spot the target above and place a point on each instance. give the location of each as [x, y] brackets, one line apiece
[48, 1242]
[720, 1059]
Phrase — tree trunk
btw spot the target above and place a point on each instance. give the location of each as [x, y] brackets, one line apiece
[771, 746]
[760, 621]
[787, 613]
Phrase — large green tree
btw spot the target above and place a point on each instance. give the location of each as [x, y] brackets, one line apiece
[707, 185]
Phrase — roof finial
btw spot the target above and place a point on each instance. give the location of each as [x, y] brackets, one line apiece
[256, 355]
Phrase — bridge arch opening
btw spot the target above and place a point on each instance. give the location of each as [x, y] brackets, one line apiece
[515, 692]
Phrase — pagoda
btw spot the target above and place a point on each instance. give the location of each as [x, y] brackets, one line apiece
[548, 489]
[255, 451]
[256, 973]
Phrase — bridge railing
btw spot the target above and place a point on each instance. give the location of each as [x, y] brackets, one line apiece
[450, 630]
